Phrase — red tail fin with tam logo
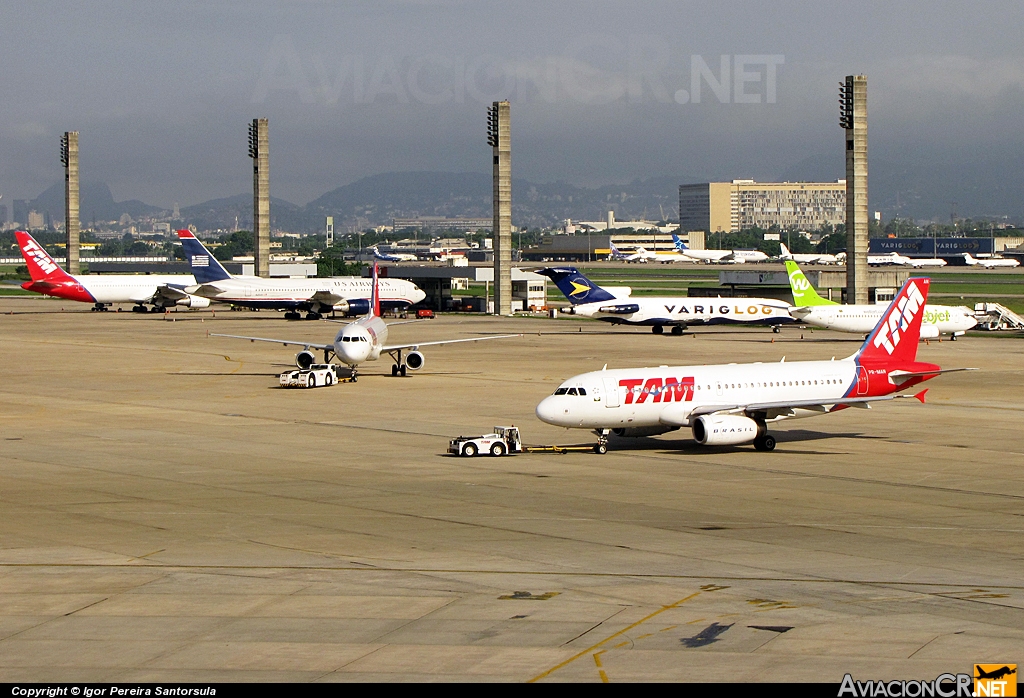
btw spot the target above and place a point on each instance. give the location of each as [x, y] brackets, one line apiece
[895, 338]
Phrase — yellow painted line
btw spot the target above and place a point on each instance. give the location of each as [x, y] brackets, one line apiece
[668, 628]
[643, 620]
[597, 658]
[621, 644]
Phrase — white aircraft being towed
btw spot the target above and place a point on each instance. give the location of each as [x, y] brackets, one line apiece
[733, 404]
[811, 308]
[364, 340]
[806, 257]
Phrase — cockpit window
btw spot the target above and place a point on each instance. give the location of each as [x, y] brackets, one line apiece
[561, 391]
[583, 391]
[571, 391]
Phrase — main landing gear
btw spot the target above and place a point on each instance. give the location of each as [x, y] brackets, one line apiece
[100, 308]
[398, 370]
[776, 329]
[763, 441]
[293, 315]
[677, 330]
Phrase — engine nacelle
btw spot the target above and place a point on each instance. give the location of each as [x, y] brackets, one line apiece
[724, 430]
[637, 432]
[304, 359]
[193, 302]
[929, 331]
[354, 306]
[624, 309]
[415, 360]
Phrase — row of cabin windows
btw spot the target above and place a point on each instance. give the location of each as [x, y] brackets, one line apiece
[727, 386]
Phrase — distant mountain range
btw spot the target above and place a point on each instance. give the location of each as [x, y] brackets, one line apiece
[376, 200]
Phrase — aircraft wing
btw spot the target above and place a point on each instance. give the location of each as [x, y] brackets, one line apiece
[170, 292]
[674, 416]
[326, 297]
[285, 342]
[416, 345]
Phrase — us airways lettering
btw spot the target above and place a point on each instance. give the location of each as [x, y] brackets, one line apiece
[658, 389]
[40, 257]
[891, 331]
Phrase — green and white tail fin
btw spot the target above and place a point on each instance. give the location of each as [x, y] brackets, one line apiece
[803, 293]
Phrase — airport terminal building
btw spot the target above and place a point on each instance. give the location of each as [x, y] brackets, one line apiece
[744, 203]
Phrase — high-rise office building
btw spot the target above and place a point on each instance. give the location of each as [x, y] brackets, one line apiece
[744, 203]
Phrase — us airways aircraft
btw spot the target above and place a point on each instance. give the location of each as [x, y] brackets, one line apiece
[719, 256]
[733, 404]
[364, 340]
[159, 290]
[990, 262]
[347, 295]
[821, 312]
[590, 300]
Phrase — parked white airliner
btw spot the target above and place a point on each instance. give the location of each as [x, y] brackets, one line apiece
[990, 262]
[806, 257]
[733, 403]
[159, 290]
[348, 295]
[364, 340]
[620, 308]
[811, 308]
[719, 256]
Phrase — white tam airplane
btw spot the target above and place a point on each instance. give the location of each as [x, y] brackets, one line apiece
[365, 340]
[990, 262]
[732, 404]
[159, 290]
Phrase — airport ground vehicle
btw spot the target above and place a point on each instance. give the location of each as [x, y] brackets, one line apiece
[502, 441]
[506, 440]
[312, 377]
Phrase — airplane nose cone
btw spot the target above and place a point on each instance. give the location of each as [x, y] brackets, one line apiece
[551, 411]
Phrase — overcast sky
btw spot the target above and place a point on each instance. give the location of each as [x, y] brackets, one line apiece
[601, 92]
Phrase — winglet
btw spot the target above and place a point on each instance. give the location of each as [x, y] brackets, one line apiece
[920, 395]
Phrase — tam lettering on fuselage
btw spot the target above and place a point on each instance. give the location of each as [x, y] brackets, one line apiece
[660, 390]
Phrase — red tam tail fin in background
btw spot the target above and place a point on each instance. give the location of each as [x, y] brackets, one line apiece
[41, 266]
[895, 338]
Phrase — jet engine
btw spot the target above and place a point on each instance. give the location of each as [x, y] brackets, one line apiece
[415, 360]
[724, 430]
[637, 432]
[929, 331]
[355, 306]
[304, 359]
[193, 302]
[624, 309]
